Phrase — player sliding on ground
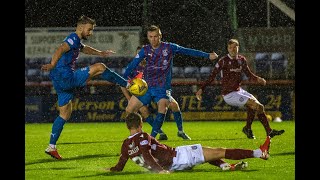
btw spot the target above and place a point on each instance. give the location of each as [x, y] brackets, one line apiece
[147, 152]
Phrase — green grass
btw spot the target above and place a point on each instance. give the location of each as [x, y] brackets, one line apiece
[87, 148]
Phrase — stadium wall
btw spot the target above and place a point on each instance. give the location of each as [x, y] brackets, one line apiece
[107, 103]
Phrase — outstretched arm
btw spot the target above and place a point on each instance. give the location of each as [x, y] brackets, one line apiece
[92, 51]
[217, 68]
[252, 76]
[193, 52]
[122, 161]
[150, 160]
[64, 47]
[213, 56]
[134, 64]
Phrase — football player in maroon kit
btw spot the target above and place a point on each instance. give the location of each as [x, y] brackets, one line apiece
[232, 67]
[149, 153]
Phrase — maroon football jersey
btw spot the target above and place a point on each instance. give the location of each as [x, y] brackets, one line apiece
[145, 151]
[231, 73]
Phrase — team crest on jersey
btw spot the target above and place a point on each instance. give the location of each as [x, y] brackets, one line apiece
[131, 145]
[165, 62]
[194, 147]
[241, 99]
[144, 142]
[70, 41]
[165, 52]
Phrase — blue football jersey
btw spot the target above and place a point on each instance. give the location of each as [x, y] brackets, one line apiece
[66, 64]
[158, 70]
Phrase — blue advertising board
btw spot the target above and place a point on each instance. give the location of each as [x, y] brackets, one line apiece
[278, 102]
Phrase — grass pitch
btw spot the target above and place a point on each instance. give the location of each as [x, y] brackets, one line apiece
[87, 148]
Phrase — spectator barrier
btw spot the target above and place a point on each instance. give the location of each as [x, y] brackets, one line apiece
[102, 101]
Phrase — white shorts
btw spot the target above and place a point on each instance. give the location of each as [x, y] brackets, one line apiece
[238, 98]
[187, 157]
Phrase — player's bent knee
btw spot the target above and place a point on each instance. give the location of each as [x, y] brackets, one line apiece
[260, 108]
[129, 110]
[66, 117]
[97, 68]
[255, 105]
[102, 64]
[65, 114]
[144, 111]
[102, 67]
[174, 107]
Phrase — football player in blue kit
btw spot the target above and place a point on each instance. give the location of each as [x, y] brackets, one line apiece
[158, 73]
[144, 110]
[66, 78]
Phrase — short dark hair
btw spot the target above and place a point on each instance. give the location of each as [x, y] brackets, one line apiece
[86, 20]
[133, 120]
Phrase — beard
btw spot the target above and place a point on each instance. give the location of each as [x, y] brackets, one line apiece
[84, 36]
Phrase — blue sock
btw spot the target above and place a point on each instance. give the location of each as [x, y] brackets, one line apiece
[150, 120]
[56, 129]
[156, 125]
[178, 118]
[113, 77]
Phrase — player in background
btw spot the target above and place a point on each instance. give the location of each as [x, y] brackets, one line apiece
[144, 110]
[232, 67]
[158, 73]
[66, 78]
[147, 152]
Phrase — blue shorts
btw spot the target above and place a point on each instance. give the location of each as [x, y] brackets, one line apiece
[65, 87]
[153, 94]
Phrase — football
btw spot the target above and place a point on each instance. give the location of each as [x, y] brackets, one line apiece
[138, 87]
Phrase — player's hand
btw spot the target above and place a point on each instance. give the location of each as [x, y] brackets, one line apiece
[262, 81]
[164, 172]
[213, 56]
[47, 67]
[130, 82]
[198, 94]
[107, 53]
[139, 75]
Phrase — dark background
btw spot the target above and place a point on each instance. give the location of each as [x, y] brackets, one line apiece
[202, 24]
[199, 24]
[63, 13]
